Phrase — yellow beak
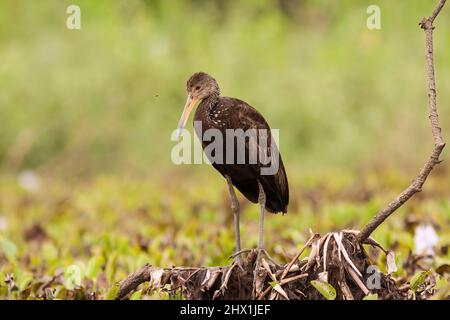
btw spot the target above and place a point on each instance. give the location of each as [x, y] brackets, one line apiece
[190, 103]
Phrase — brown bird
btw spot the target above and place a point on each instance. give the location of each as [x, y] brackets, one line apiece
[271, 190]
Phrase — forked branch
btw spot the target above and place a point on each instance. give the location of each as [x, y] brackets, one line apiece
[416, 186]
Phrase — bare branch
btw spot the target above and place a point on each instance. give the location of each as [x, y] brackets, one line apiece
[155, 275]
[134, 280]
[436, 11]
[417, 184]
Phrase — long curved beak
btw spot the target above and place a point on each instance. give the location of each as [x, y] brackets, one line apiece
[190, 103]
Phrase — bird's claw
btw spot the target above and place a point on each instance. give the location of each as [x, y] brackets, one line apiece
[238, 261]
[237, 256]
[238, 253]
[258, 279]
[256, 274]
[268, 257]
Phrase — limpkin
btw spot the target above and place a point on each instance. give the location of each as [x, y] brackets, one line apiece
[221, 113]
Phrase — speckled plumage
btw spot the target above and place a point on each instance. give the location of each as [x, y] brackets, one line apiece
[216, 112]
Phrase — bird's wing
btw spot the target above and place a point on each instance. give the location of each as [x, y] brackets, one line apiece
[246, 117]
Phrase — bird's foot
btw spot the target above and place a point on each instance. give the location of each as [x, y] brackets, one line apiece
[239, 262]
[239, 253]
[237, 256]
[258, 276]
[265, 254]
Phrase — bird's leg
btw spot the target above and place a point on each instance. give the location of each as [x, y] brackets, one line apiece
[262, 205]
[235, 210]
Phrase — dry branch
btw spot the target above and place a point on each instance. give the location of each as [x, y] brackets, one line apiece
[416, 186]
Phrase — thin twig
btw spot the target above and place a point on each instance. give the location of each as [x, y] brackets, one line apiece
[417, 184]
[287, 280]
[224, 282]
[357, 280]
[289, 266]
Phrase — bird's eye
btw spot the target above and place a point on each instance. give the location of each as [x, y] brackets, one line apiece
[197, 88]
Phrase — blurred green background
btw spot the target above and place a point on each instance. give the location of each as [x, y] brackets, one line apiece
[106, 98]
[86, 116]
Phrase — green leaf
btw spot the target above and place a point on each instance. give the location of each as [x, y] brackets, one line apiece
[442, 288]
[136, 296]
[49, 251]
[111, 267]
[94, 266]
[177, 295]
[61, 293]
[325, 289]
[371, 297]
[418, 279]
[9, 248]
[72, 277]
[112, 293]
[24, 281]
[441, 282]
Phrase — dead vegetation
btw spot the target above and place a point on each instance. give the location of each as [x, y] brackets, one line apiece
[329, 262]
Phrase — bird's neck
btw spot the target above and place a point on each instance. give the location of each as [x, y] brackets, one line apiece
[212, 100]
[209, 103]
[204, 109]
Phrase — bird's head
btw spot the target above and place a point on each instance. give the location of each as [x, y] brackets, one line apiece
[199, 86]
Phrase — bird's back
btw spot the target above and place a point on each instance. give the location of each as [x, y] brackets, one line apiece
[230, 113]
